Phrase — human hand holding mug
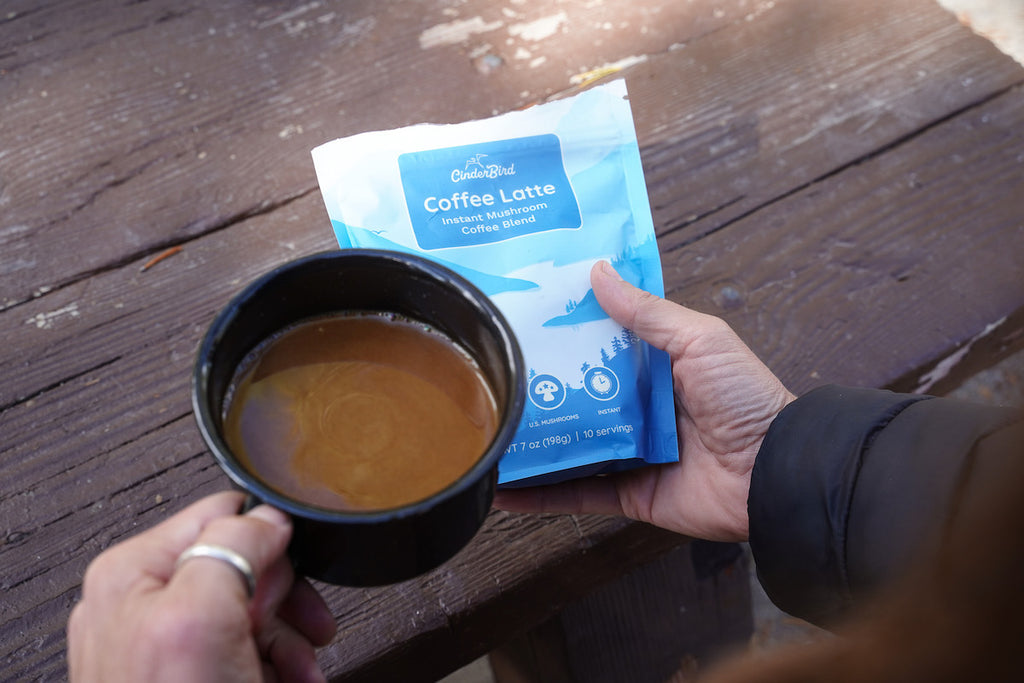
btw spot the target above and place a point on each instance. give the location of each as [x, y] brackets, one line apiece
[145, 616]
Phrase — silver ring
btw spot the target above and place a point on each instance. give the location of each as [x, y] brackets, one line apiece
[219, 552]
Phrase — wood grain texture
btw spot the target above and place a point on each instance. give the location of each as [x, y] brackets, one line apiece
[685, 609]
[842, 181]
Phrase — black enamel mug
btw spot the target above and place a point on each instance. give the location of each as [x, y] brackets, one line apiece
[364, 548]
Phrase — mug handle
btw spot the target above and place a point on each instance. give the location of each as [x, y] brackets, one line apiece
[250, 502]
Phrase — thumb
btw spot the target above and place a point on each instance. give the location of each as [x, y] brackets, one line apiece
[661, 323]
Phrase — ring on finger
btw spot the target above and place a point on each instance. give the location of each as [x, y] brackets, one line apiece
[219, 552]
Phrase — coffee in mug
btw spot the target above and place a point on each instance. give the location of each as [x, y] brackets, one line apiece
[360, 411]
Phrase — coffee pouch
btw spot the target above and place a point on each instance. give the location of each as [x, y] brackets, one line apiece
[523, 205]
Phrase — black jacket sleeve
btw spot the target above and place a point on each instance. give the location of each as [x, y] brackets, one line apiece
[851, 484]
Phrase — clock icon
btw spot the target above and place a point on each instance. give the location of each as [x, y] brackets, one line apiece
[601, 383]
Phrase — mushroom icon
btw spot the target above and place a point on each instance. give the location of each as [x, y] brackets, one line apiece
[546, 392]
[547, 389]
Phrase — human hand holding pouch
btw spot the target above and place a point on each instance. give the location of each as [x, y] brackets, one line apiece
[523, 205]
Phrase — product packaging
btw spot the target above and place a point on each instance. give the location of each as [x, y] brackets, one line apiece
[523, 204]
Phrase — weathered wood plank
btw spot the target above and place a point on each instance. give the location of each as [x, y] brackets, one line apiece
[686, 608]
[883, 267]
[130, 128]
[793, 99]
[481, 608]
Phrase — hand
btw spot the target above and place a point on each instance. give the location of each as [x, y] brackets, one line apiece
[139, 619]
[725, 400]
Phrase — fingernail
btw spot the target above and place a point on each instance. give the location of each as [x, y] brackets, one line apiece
[271, 516]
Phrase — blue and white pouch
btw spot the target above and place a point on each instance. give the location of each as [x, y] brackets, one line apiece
[523, 205]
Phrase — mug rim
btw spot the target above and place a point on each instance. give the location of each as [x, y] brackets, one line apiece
[251, 484]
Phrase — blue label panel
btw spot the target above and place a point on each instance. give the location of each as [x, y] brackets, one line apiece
[487, 192]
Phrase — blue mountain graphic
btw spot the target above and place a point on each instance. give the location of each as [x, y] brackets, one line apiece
[586, 311]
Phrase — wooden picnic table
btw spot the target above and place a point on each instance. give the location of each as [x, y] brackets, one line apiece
[842, 181]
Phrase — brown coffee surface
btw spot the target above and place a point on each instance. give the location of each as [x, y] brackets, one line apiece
[359, 412]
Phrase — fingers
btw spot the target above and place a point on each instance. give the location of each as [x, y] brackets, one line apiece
[149, 557]
[260, 536]
[272, 590]
[291, 656]
[293, 621]
[659, 322]
[138, 612]
[180, 531]
[305, 610]
[292, 599]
